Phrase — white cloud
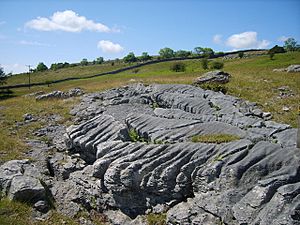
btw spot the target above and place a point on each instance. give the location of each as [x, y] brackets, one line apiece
[246, 40]
[217, 39]
[68, 21]
[282, 38]
[34, 43]
[15, 68]
[109, 47]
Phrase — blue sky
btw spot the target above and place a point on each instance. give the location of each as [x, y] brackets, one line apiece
[49, 31]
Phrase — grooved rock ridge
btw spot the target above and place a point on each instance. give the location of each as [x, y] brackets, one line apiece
[253, 180]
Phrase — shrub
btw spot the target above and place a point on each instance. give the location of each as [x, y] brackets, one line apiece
[241, 55]
[271, 55]
[217, 65]
[41, 67]
[135, 70]
[276, 49]
[178, 67]
[204, 63]
[84, 62]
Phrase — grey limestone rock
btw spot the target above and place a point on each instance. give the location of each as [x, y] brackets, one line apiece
[20, 180]
[216, 76]
[232, 183]
[130, 152]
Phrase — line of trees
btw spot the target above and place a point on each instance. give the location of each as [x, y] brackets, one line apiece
[166, 53]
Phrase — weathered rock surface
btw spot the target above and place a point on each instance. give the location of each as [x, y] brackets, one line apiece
[19, 180]
[216, 76]
[289, 69]
[60, 94]
[253, 180]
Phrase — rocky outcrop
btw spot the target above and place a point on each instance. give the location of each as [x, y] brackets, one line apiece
[216, 76]
[60, 94]
[131, 153]
[20, 180]
[164, 168]
[289, 69]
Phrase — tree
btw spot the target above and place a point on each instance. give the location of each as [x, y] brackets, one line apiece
[3, 76]
[182, 53]
[130, 58]
[198, 50]
[166, 53]
[84, 62]
[276, 49]
[207, 52]
[145, 57]
[241, 54]
[290, 44]
[217, 65]
[99, 60]
[41, 67]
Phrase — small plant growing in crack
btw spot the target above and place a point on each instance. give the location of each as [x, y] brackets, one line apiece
[135, 137]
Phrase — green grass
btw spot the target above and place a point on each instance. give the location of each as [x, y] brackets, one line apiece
[16, 213]
[215, 138]
[50, 75]
[156, 219]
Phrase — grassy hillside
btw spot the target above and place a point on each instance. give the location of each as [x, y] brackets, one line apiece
[252, 79]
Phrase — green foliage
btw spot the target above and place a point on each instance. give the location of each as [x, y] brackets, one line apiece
[271, 55]
[130, 58]
[214, 87]
[182, 53]
[41, 67]
[145, 57]
[134, 136]
[56, 66]
[84, 62]
[166, 53]
[157, 219]
[217, 65]
[219, 53]
[218, 157]
[215, 138]
[204, 63]
[3, 76]
[290, 45]
[99, 60]
[136, 70]
[241, 55]
[276, 49]
[206, 52]
[178, 67]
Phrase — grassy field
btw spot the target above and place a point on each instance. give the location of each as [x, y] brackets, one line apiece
[50, 75]
[252, 79]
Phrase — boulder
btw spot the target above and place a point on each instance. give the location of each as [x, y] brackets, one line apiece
[293, 68]
[216, 76]
[20, 181]
[26, 189]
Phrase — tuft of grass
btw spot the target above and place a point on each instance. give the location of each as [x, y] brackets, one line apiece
[135, 137]
[214, 87]
[156, 219]
[215, 138]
